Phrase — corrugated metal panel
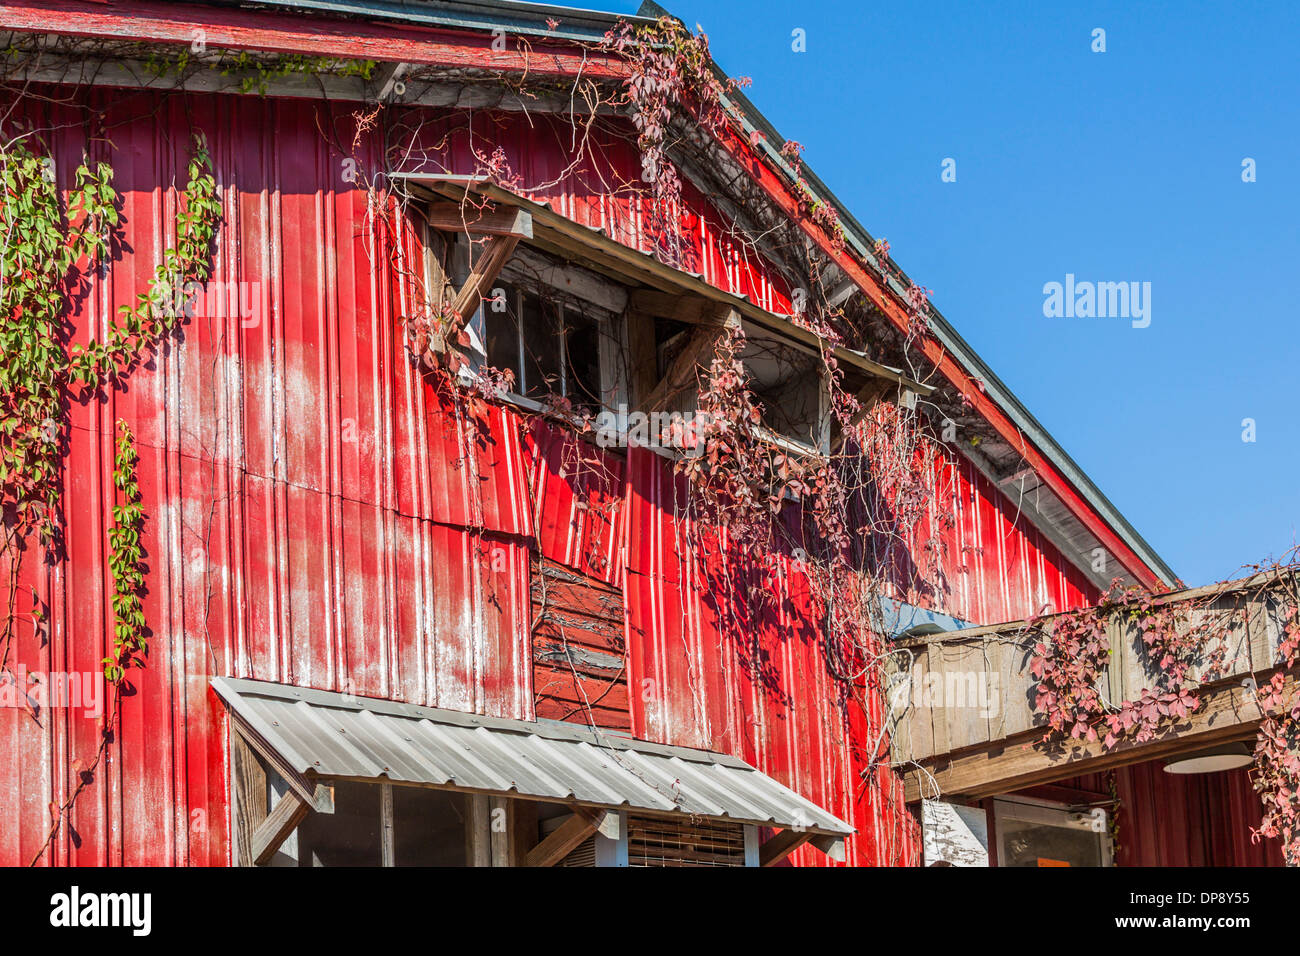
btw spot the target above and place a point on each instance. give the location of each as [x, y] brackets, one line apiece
[577, 493]
[332, 735]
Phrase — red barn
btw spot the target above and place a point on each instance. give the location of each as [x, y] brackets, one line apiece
[511, 453]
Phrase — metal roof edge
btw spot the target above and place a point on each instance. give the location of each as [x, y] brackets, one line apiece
[479, 15]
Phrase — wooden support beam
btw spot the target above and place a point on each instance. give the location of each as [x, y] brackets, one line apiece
[282, 820]
[478, 830]
[567, 837]
[319, 796]
[832, 846]
[387, 835]
[523, 831]
[692, 309]
[249, 784]
[489, 220]
[684, 371]
[1228, 712]
[642, 355]
[483, 273]
[782, 845]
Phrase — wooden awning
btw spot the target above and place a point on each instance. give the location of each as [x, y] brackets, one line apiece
[660, 288]
[962, 710]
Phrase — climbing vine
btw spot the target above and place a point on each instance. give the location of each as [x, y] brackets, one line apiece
[1184, 647]
[48, 253]
[1276, 774]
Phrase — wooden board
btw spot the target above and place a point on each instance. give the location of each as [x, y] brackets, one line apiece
[579, 658]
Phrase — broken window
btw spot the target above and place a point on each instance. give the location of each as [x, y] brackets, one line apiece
[788, 383]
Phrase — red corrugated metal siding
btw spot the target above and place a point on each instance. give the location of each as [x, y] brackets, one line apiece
[717, 669]
[320, 513]
[578, 502]
[996, 566]
[1184, 820]
[308, 519]
[590, 188]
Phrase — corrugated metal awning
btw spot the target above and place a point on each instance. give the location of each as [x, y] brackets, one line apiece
[329, 735]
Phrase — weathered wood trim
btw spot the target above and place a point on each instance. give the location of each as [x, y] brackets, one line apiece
[484, 272]
[1228, 712]
[387, 840]
[319, 796]
[683, 372]
[282, 820]
[248, 781]
[566, 838]
[782, 845]
[449, 216]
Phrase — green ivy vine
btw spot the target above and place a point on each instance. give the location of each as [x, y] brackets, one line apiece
[48, 250]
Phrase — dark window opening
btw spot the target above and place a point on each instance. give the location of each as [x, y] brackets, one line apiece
[429, 828]
[552, 349]
[350, 836]
[789, 385]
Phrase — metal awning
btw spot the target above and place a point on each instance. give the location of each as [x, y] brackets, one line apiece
[319, 734]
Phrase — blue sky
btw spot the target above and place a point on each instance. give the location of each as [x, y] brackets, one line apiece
[1117, 166]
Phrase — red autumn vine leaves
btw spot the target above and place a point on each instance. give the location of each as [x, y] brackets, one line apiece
[1070, 663]
[1276, 775]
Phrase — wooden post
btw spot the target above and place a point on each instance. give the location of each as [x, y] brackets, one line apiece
[478, 830]
[282, 820]
[387, 844]
[248, 779]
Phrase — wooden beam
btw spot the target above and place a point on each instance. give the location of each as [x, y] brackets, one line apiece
[684, 371]
[282, 820]
[167, 21]
[523, 831]
[567, 837]
[478, 829]
[489, 220]
[387, 837]
[319, 796]
[642, 355]
[832, 846]
[1228, 712]
[483, 273]
[693, 309]
[782, 845]
[249, 782]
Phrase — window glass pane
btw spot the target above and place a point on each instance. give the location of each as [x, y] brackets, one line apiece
[428, 827]
[541, 348]
[582, 335]
[1038, 844]
[501, 330]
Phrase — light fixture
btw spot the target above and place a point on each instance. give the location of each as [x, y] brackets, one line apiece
[1213, 760]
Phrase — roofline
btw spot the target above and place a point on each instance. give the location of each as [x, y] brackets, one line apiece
[479, 15]
[863, 244]
[586, 25]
